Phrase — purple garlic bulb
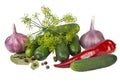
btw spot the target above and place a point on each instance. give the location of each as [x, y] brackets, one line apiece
[15, 43]
[92, 37]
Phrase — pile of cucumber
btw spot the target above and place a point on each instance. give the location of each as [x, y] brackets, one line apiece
[62, 50]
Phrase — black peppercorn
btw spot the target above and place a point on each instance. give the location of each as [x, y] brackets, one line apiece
[47, 67]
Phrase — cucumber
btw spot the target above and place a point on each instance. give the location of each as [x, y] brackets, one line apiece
[31, 48]
[62, 52]
[74, 46]
[29, 51]
[93, 63]
[41, 53]
[64, 29]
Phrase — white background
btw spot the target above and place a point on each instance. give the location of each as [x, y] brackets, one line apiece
[107, 20]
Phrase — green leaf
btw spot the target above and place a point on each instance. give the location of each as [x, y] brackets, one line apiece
[19, 59]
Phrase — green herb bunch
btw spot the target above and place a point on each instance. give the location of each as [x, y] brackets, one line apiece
[46, 34]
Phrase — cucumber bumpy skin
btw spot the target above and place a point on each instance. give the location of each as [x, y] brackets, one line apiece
[93, 63]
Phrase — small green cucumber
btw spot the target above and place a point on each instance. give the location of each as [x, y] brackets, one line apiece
[93, 63]
[74, 46]
[31, 48]
[62, 52]
[41, 53]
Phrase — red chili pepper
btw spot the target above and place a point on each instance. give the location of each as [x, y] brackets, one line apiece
[104, 47]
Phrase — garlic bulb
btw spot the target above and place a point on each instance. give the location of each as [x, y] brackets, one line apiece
[92, 37]
[15, 43]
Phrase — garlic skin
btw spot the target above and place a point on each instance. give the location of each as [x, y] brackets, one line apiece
[92, 37]
[15, 43]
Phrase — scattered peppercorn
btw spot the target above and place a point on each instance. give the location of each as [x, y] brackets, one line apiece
[47, 67]
[24, 57]
[26, 60]
[45, 62]
[55, 59]
[21, 57]
[42, 64]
